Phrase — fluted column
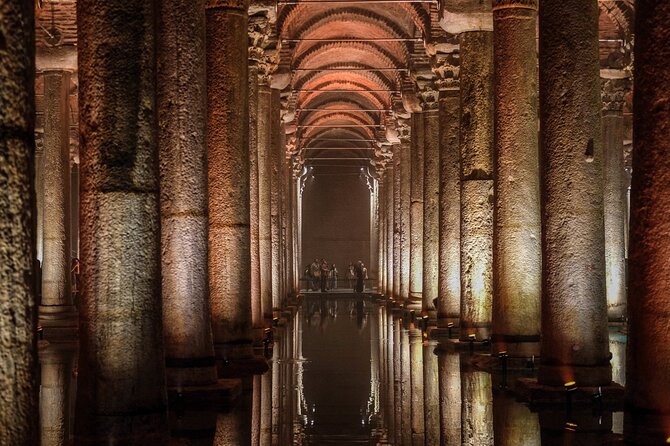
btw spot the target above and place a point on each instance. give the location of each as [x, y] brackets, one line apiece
[397, 220]
[56, 310]
[416, 213]
[121, 380]
[517, 253]
[228, 168]
[18, 411]
[574, 308]
[431, 202]
[612, 93]
[648, 365]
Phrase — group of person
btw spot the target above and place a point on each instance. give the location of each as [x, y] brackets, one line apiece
[322, 275]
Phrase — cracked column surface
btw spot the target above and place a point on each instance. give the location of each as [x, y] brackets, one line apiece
[647, 416]
[574, 344]
[615, 185]
[449, 280]
[182, 134]
[121, 381]
[265, 197]
[56, 308]
[476, 146]
[517, 251]
[416, 213]
[396, 221]
[228, 174]
[405, 204]
[18, 312]
[431, 207]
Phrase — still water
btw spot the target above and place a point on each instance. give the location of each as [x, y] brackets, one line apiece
[345, 371]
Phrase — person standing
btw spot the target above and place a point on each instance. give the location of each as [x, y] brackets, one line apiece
[359, 277]
[333, 277]
[324, 275]
[351, 277]
[315, 274]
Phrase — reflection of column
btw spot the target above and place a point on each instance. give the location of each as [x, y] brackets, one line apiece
[228, 163]
[476, 143]
[477, 408]
[404, 401]
[449, 282]
[431, 204]
[615, 197]
[256, 410]
[396, 220]
[647, 390]
[431, 387]
[392, 346]
[255, 269]
[517, 258]
[232, 428]
[416, 382]
[55, 410]
[574, 308]
[56, 305]
[266, 410]
[182, 108]
[513, 422]
[17, 240]
[416, 212]
[121, 381]
[449, 367]
[590, 429]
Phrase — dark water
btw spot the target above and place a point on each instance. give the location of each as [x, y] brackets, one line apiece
[345, 372]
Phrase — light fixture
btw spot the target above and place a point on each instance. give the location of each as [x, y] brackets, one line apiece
[570, 387]
[450, 326]
[471, 339]
[571, 427]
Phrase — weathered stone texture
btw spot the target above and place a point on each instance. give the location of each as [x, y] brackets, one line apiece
[477, 409]
[416, 382]
[263, 140]
[256, 311]
[416, 210]
[405, 205]
[431, 403]
[18, 351]
[574, 311]
[449, 371]
[431, 209]
[397, 220]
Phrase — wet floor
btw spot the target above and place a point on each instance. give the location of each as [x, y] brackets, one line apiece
[344, 371]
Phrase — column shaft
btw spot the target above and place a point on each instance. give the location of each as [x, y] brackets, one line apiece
[449, 369]
[256, 312]
[405, 205]
[431, 208]
[264, 141]
[416, 212]
[574, 308]
[476, 144]
[388, 183]
[228, 175]
[449, 281]
[396, 220]
[182, 130]
[647, 392]
[18, 411]
[431, 402]
[416, 382]
[477, 408]
[121, 381]
[275, 160]
[517, 253]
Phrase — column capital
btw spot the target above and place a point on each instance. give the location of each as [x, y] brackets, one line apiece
[613, 92]
[241, 5]
[263, 47]
[511, 4]
[446, 67]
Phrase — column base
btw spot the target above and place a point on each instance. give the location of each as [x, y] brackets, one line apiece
[645, 428]
[516, 346]
[414, 302]
[58, 322]
[220, 394]
[457, 345]
[530, 391]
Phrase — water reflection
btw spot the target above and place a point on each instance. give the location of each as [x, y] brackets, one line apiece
[350, 371]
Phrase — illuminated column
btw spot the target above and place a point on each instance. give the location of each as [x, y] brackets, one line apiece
[647, 391]
[477, 405]
[574, 308]
[381, 280]
[56, 310]
[55, 410]
[405, 204]
[388, 183]
[416, 213]
[513, 422]
[121, 381]
[449, 370]
[431, 401]
[431, 195]
[416, 382]
[612, 94]
[265, 196]
[405, 399]
[374, 241]
[181, 92]
[18, 411]
[392, 382]
[255, 268]
[517, 259]
[228, 168]
[232, 427]
[275, 159]
[449, 283]
[396, 220]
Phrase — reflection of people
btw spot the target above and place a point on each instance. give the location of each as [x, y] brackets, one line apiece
[359, 277]
[333, 277]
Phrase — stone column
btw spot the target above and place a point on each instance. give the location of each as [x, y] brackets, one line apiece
[57, 315]
[18, 411]
[405, 204]
[264, 139]
[431, 203]
[405, 395]
[182, 134]
[396, 220]
[228, 174]
[275, 159]
[449, 370]
[517, 253]
[647, 392]
[431, 401]
[388, 184]
[381, 281]
[121, 381]
[513, 423]
[256, 312]
[416, 213]
[416, 382]
[449, 281]
[477, 408]
[615, 185]
[39, 203]
[56, 364]
[574, 308]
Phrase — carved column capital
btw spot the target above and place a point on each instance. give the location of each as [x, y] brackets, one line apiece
[263, 47]
[446, 67]
[429, 95]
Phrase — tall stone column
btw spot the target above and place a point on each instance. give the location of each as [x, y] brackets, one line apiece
[417, 390]
[264, 139]
[57, 315]
[121, 381]
[431, 195]
[397, 222]
[275, 159]
[39, 203]
[18, 313]
[517, 253]
[514, 423]
[574, 308]
[389, 185]
[449, 280]
[615, 185]
[416, 213]
[381, 280]
[647, 393]
[405, 204]
[228, 175]
[182, 134]
[405, 394]
[255, 269]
